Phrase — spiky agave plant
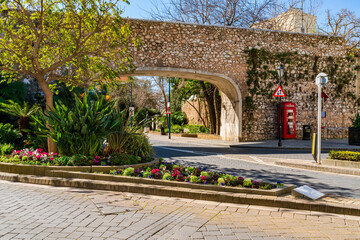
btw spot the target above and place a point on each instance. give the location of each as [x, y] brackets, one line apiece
[130, 139]
[23, 112]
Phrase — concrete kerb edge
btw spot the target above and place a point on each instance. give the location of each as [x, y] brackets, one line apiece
[322, 168]
[226, 197]
[292, 148]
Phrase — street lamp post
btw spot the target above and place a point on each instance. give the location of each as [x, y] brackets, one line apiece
[131, 92]
[320, 81]
[169, 113]
[280, 71]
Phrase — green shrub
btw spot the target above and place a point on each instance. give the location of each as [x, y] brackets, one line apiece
[6, 148]
[130, 139]
[128, 171]
[176, 128]
[221, 181]
[344, 155]
[79, 160]
[179, 118]
[197, 128]
[37, 137]
[247, 182]
[194, 179]
[63, 161]
[10, 135]
[138, 144]
[167, 176]
[123, 159]
[83, 128]
[146, 174]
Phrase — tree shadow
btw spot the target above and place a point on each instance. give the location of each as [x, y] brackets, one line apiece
[341, 185]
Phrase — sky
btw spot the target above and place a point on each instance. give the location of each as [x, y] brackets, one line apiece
[139, 8]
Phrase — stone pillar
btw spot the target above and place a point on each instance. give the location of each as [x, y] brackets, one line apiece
[230, 121]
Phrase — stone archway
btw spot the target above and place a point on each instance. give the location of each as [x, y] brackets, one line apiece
[231, 101]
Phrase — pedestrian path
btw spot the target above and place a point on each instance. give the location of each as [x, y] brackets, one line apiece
[45, 212]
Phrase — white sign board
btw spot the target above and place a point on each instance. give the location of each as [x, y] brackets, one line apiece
[168, 104]
[309, 192]
[131, 111]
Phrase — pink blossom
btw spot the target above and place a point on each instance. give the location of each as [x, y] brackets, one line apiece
[155, 171]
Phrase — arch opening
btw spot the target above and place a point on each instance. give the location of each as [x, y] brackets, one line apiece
[231, 101]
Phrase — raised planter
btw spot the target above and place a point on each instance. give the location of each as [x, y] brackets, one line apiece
[341, 163]
[117, 178]
[191, 135]
[354, 136]
[44, 170]
[86, 172]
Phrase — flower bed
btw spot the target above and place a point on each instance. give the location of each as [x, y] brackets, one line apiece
[172, 172]
[345, 155]
[40, 157]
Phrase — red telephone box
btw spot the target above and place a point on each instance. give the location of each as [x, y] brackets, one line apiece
[288, 112]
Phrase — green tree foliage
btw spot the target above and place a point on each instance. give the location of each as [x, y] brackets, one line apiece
[72, 41]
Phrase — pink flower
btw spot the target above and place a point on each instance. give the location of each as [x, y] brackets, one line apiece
[176, 172]
[52, 159]
[96, 161]
[155, 171]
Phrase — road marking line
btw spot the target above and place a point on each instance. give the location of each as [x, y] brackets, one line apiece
[257, 159]
[188, 151]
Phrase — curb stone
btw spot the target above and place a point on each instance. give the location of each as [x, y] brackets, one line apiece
[238, 198]
[293, 148]
[322, 168]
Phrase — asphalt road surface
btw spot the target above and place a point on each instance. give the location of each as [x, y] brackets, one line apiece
[257, 164]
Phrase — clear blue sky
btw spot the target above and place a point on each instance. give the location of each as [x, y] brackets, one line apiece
[138, 8]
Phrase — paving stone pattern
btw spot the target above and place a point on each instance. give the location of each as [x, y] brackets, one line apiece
[44, 212]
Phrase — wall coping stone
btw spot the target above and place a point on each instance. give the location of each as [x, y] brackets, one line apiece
[231, 27]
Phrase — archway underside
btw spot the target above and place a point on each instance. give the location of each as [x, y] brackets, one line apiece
[231, 110]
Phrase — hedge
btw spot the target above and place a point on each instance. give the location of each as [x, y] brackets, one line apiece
[345, 155]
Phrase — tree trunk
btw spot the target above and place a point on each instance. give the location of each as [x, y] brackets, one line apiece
[217, 103]
[209, 97]
[23, 124]
[49, 100]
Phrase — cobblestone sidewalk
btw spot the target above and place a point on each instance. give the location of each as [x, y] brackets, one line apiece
[45, 212]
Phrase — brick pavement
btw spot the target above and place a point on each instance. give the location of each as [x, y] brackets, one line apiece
[44, 212]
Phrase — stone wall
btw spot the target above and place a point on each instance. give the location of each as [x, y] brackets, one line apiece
[220, 55]
[193, 115]
[300, 88]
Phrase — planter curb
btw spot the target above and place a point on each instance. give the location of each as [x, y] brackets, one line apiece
[322, 168]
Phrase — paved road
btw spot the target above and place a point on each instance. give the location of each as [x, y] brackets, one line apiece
[45, 212]
[257, 164]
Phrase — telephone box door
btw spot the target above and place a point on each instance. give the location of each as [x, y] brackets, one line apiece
[288, 112]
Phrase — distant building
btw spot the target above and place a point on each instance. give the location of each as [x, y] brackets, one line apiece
[294, 20]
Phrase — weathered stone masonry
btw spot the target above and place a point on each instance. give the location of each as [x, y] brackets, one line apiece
[221, 55]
